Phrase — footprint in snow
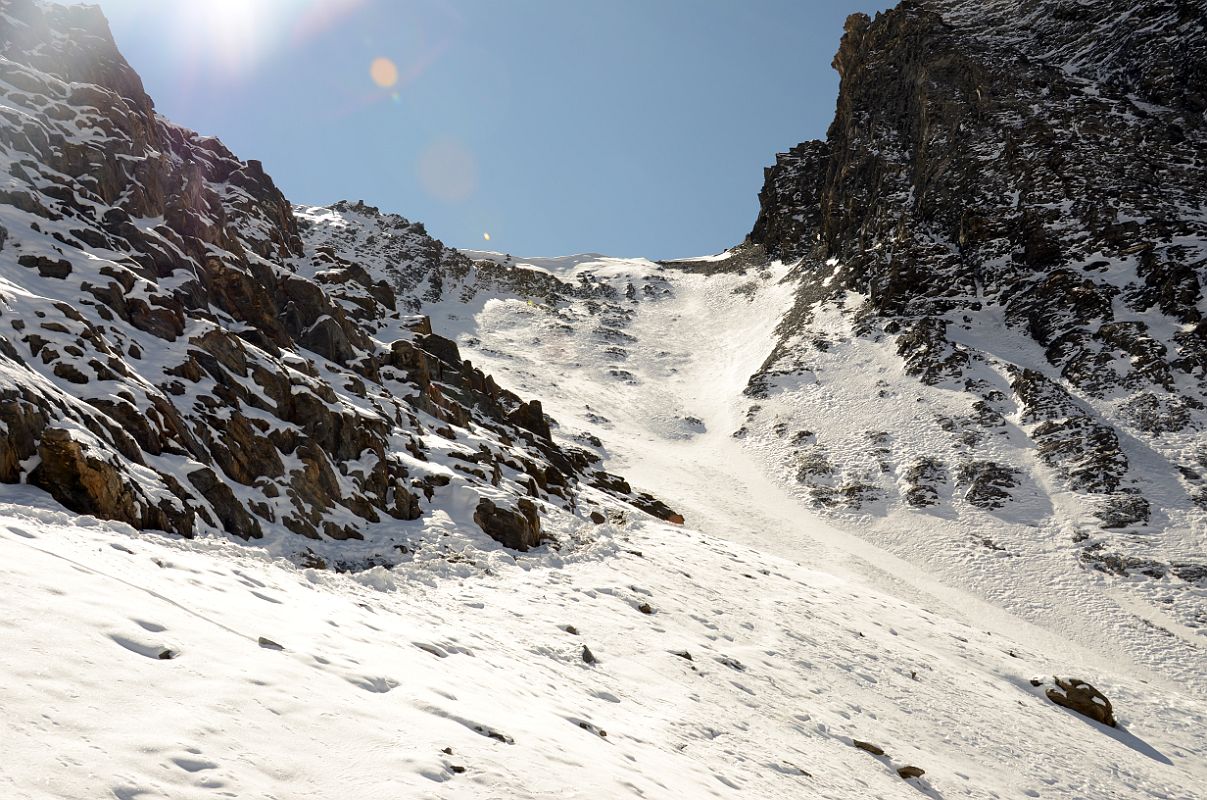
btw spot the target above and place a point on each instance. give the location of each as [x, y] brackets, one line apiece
[193, 764]
[476, 727]
[789, 769]
[491, 733]
[375, 685]
[589, 727]
[444, 649]
[152, 627]
[431, 648]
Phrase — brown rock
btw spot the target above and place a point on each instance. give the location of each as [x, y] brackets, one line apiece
[91, 485]
[47, 267]
[1077, 695]
[22, 425]
[233, 517]
[531, 417]
[518, 529]
[328, 339]
[444, 349]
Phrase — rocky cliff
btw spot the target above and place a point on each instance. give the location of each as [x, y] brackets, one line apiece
[1002, 249]
[175, 355]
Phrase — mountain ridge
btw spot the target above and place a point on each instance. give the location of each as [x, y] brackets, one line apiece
[196, 379]
[932, 547]
[995, 167]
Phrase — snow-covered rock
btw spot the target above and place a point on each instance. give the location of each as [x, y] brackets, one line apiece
[174, 356]
[935, 428]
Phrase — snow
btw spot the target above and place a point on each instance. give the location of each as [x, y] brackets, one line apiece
[804, 634]
[691, 352]
[292, 683]
[744, 654]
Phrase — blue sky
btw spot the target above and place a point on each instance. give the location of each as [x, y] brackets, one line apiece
[628, 127]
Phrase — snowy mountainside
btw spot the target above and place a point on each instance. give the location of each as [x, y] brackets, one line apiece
[166, 359]
[1006, 221]
[237, 675]
[322, 554]
[1000, 252]
[668, 409]
[650, 366]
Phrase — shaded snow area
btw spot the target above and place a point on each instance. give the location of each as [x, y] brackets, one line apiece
[144, 666]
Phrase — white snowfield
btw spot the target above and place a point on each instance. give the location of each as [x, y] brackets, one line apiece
[739, 656]
[141, 666]
[666, 404]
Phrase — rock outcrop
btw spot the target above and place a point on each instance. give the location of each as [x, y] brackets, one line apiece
[1007, 208]
[1077, 695]
[174, 354]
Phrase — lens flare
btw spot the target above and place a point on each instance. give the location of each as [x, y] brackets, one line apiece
[383, 72]
[448, 171]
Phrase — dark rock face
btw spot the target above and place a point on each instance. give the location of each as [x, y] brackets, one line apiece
[91, 484]
[519, 529]
[184, 360]
[1008, 201]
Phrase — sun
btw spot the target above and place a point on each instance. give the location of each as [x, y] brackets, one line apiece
[229, 36]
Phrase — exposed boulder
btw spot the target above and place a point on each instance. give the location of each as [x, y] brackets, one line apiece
[519, 528]
[1077, 695]
[531, 417]
[89, 484]
[868, 747]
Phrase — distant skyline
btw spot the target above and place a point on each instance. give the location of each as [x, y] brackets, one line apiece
[627, 127]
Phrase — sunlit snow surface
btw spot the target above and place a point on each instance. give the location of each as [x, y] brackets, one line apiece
[803, 634]
[291, 683]
[666, 404]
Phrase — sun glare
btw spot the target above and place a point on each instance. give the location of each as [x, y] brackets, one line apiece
[237, 33]
[230, 38]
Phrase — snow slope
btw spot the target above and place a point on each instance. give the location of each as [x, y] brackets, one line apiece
[663, 391]
[744, 654]
[458, 676]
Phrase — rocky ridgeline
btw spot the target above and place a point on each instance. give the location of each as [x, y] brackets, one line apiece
[360, 255]
[352, 238]
[174, 355]
[1009, 204]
